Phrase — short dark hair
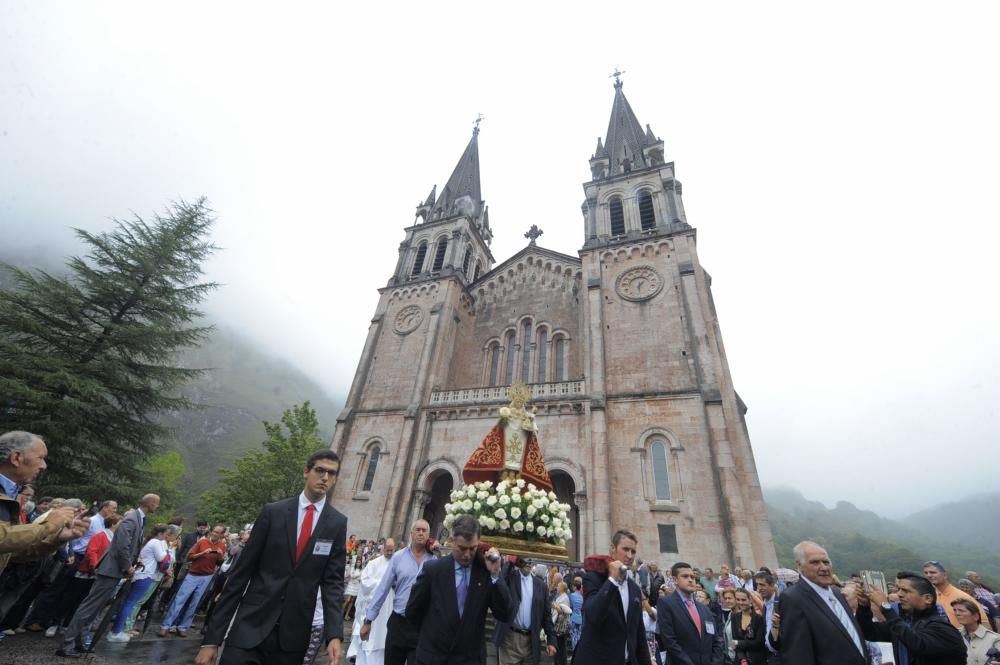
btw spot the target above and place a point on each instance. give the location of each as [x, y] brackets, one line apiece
[44, 499]
[623, 533]
[766, 578]
[325, 453]
[921, 584]
[678, 567]
[202, 522]
[177, 521]
[465, 526]
[112, 520]
[157, 530]
[108, 502]
[969, 605]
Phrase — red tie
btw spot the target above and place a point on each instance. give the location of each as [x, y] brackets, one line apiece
[693, 611]
[307, 529]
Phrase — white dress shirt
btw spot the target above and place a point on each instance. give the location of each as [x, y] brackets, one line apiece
[623, 592]
[826, 593]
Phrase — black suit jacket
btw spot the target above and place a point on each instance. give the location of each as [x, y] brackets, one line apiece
[652, 588]
[811, 634]
[541, 611]
[680, 637]
[277, 589]
[446, 638]
[606, 628]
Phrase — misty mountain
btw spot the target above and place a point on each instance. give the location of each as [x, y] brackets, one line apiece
[972, 521]
[243, 385]
[862, 540]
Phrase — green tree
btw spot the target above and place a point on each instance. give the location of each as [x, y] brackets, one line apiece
[165, 473]
[87, 360]
[263, 476]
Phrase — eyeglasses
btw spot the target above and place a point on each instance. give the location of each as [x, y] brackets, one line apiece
[323, 471]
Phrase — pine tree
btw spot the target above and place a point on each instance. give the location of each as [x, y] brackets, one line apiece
[87, 361]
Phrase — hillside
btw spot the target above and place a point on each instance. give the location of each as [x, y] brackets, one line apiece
[965, 520]
[860, 539]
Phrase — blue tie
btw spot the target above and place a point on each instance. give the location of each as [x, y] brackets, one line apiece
[462, 592]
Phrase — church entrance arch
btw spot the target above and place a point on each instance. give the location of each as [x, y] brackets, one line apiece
[441, 485]
[565, 489]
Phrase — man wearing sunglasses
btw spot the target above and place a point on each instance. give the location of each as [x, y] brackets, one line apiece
[297, 546]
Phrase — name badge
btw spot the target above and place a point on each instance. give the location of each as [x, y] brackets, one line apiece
[323, 547]
[710, 628]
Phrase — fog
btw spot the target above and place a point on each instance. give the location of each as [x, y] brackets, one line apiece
[839, 163]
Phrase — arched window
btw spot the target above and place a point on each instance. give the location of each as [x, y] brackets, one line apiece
[418, 263]
[617, 217]
[543, 356]
[510, 357]
[372, 466]
[559, 352]
[466, 261]
[479, 267]
[494, 355]
[526, 352]
[647, 216]
[442, 249]
[658, 451]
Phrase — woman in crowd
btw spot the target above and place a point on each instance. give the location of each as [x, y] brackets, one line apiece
[562, 610]
[978, 639]
[152, 555]
[575, 619]
[353, 579]
[748, 631]
[727, 601]
[165, 572]
[649, 624]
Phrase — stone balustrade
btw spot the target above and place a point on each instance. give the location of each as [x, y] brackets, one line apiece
[501, 394]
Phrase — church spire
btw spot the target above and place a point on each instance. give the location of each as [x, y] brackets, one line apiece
[462, 193]
[627, 147]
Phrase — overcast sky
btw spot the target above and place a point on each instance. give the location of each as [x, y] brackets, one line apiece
[840, 162]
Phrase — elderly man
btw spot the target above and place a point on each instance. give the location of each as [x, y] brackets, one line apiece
[22, 458]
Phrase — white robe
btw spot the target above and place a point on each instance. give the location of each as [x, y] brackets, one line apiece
[372, 650]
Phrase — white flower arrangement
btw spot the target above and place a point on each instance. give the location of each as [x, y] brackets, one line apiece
[512, 508]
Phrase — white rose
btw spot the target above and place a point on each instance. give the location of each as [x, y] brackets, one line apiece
[500, 514]
[516, 497]
[504, 524]
[448, 521]
[540, 531]
[515, 512]
[559, 533]
[529, 527]
[470, 491]
[518, 527]
[556, 522]
[467, 505]
[504, 500]
[477, 505]
[531, 510]
[491, 523]
[567, 534]
[555, 509]
[520, 483]
[491, 501]
[536, 504]
[482, 520]
[531, 487]
[566, 507]
[482, 494]
[505, 412]
[561, 541]
[544, 501]
[544, 518]
[454, 495]
[502, 486]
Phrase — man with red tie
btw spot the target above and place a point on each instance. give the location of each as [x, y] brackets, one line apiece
[687, 629]
[297, 546]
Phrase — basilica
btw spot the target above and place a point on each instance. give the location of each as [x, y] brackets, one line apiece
[620, 346]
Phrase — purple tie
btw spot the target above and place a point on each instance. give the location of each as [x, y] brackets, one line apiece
[462, 592]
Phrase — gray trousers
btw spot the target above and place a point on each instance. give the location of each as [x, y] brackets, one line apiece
[102, 591]
[515, 650]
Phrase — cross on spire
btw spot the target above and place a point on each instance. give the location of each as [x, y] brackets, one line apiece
[617, 74]
[479, 118]
[533, 233]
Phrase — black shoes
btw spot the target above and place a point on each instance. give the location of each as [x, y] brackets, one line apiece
[63, 653]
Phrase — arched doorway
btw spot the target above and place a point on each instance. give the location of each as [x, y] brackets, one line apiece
[565, 489]
[441, 488]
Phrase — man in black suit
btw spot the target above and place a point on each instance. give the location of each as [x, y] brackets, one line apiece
[654, 580]
[687, 629]
[449, 599]
[296, 546]
[518, 641]
[612, 611]
[817, 625]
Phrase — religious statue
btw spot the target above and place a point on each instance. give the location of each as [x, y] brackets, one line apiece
[510, 450]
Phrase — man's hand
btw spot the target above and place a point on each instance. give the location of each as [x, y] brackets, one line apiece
[493, 565]
[61, 517]
[131, 572]
[551, 650]
[333, 651]
[366, 631]
[876, 595]
[614, 570]
[207, 656]
[775, 621]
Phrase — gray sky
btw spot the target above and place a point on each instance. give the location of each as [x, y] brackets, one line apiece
[839, 163]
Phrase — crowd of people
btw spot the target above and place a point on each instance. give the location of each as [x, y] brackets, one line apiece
[295, 584]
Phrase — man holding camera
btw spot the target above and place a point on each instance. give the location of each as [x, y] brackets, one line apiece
[613, 631]
[929, 638]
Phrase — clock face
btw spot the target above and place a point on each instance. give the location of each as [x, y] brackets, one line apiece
[408, 319]
[639, 283]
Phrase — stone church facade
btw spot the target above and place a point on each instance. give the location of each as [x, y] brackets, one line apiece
[621, 346]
